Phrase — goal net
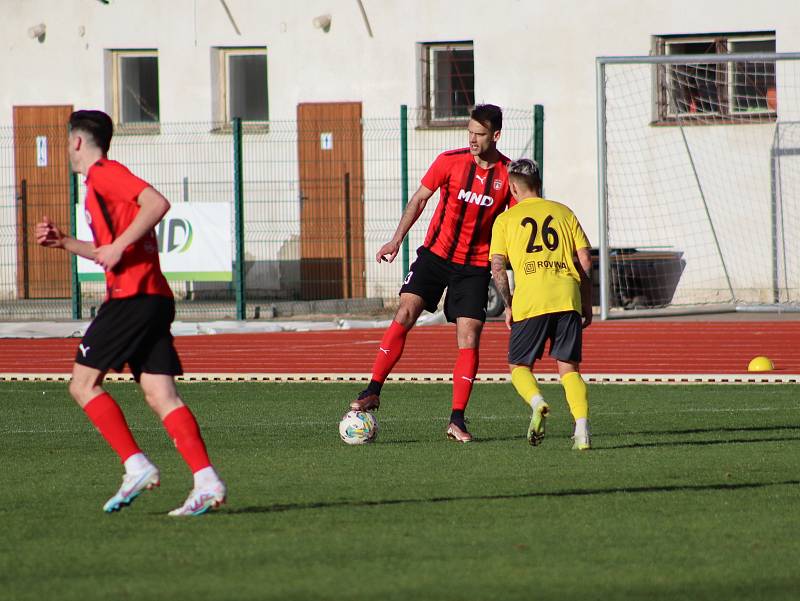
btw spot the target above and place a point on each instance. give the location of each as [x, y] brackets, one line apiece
[699, 183]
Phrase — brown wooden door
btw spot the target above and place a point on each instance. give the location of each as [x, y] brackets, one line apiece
[42, 178]
[330, 157]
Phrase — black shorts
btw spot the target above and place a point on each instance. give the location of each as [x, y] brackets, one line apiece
[467, 285]
[135, 331]
[563, 330]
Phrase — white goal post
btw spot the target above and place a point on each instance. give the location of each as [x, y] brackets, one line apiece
[698, 183]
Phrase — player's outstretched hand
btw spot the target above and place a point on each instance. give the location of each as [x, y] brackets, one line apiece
[48, 234]
[388, 252]
[509, 318]
[587, 318]
[107, 256]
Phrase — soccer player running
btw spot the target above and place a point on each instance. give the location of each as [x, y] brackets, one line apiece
[133, 324]
[549, 255]
[473, 190]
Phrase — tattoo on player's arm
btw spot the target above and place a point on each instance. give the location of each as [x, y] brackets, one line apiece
[501, 278]
[505, 292]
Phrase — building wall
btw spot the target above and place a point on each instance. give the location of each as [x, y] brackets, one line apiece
[526, 52]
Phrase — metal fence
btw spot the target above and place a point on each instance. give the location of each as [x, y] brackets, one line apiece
[311, 202]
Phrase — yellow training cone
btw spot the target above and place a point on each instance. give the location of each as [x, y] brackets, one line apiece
[760, 363]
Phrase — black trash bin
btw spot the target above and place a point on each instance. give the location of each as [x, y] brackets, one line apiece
[639, 278]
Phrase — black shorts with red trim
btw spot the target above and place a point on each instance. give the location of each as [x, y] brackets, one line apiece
[133, 331]
[528, 337]
[467, 285]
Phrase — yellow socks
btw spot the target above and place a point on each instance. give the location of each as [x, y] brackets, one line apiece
[576, 393]
[525, 383]
[574, 388]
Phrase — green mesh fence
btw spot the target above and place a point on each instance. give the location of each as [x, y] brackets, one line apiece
[320, 195]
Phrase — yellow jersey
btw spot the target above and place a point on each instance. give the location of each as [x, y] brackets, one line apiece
[539, 238]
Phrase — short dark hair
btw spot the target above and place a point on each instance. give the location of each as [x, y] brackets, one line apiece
[96, 124]
[488, 115]
[527, 172]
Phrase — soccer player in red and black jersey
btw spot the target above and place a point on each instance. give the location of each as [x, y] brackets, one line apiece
[133, 324]
[473, 191]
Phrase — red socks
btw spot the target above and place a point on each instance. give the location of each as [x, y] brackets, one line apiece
[389, 351]
[463, 376]
[182, 428]
[109, 420]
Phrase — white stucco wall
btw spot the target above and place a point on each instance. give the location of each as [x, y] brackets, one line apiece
[526, 52]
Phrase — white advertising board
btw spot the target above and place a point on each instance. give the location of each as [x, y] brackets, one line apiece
[194, 243]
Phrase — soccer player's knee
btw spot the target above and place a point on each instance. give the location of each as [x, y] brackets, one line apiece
[80, 388]
[161, 399]
[468, 340]
[156, 399]
[406, 315]
[74, 389]
[150, 397]
[468, 337]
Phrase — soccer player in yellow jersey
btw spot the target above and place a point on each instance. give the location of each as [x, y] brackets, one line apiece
[552, 300]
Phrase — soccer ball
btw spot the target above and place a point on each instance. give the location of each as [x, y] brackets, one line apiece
[358, 427]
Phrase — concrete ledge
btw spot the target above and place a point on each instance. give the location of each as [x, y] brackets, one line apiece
[61, 309]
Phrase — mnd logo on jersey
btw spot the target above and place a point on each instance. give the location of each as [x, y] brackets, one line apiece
[475, 198]
[533, 266]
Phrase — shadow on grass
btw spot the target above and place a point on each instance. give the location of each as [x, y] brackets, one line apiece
[695, 443]
[779, 428]
[673, 443]
[636, 445]
[580, 492]
[518, 437]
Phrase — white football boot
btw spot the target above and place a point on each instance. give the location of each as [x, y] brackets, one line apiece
[132, 486]
[200, 500]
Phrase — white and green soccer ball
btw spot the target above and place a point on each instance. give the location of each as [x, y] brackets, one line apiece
[358, 427]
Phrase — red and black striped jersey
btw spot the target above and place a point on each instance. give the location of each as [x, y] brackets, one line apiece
[112, 192]
[470, 198]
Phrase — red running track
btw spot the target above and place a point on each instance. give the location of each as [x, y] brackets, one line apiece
[609, 348]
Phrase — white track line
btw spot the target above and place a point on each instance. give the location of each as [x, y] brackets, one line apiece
[760, 378]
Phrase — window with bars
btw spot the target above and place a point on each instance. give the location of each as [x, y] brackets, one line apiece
[725, 91]
[134, 85]
[447, 82]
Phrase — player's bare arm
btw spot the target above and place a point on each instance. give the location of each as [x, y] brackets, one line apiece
[584, 264]
[414, 209]
[50, 235]
[153, 208]
[501, 283]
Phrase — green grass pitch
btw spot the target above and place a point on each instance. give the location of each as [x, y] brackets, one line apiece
[691, 492]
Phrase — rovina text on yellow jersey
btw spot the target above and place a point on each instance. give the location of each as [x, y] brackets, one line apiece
[539, 237]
